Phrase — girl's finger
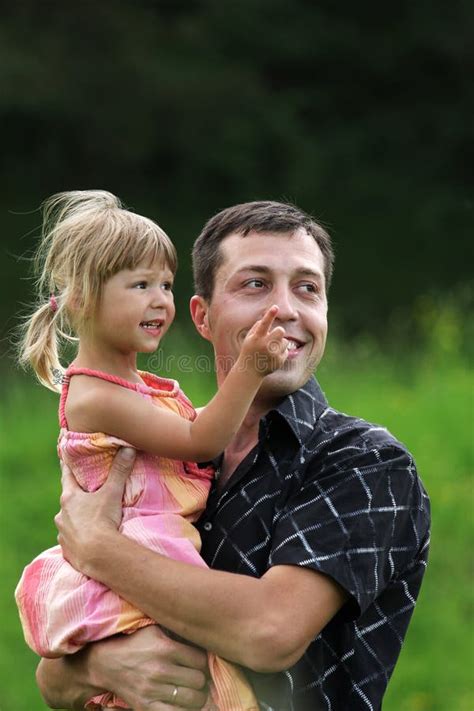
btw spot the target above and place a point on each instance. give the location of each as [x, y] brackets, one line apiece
[267, 319]
[277, 333]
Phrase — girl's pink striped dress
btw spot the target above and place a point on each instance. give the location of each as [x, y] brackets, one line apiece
[62, 610]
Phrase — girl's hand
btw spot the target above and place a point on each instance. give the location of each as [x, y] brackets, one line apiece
[86, 516]
[265, 348]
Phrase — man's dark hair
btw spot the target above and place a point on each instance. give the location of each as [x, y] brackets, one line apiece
[260, 216]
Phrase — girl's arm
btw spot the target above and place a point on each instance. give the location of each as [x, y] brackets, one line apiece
[121, 412]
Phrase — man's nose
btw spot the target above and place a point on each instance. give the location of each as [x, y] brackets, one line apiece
[284, 298]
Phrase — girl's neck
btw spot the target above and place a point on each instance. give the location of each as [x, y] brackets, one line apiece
[119, 364]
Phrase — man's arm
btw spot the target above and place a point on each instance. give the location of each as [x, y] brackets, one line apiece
[264, 624]
[143, 669]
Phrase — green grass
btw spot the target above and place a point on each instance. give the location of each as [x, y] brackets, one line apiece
[426, 402]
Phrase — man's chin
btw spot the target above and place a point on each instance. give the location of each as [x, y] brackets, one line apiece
[283, 382]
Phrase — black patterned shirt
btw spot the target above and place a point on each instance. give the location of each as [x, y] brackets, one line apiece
[341, 496]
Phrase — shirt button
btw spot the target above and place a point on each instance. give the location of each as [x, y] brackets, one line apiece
[207, 526]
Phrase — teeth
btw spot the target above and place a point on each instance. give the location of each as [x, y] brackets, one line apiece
[292, 346]
[148, 324]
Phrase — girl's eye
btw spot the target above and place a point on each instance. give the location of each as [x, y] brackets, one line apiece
[167, 286]
[140, 285]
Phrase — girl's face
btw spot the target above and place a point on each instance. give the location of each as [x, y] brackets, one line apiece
[136, 309]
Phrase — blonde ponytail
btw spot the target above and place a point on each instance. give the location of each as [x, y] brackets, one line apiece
[39, 346]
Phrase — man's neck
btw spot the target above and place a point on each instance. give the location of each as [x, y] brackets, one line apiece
[246, 437]
[242, 443]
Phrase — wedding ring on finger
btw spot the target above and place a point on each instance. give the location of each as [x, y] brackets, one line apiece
[174, 695]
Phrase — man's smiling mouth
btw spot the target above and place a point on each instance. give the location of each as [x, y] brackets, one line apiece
[293, 344]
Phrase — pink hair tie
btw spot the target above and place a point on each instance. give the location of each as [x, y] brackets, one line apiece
[53, 303]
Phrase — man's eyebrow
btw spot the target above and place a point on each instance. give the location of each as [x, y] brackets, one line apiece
[262, 269]
[310, 272]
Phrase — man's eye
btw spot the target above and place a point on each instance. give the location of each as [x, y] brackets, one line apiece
[255, 283]
[309, 288]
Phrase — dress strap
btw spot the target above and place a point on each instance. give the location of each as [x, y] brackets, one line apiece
[72, 370]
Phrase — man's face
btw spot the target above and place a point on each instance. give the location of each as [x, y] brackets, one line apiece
[259, 270]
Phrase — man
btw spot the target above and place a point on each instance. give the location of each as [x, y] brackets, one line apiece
[316, 530]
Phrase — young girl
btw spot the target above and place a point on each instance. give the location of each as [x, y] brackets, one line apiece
[109, 276]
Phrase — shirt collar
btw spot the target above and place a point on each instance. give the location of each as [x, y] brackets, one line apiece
[302, 409]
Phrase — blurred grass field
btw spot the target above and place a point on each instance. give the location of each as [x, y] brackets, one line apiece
[425, 400]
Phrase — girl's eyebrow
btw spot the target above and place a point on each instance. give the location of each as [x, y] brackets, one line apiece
[148, 272]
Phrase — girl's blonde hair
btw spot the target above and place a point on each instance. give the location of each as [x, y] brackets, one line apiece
[87, 237]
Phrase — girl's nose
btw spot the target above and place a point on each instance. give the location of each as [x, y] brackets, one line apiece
[158, 297]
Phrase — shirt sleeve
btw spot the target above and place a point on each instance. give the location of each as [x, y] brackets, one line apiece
[362, 520]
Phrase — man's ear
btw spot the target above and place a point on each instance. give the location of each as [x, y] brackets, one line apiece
[200, 315]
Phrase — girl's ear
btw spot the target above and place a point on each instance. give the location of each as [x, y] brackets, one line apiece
[74, 302]
[200, 315]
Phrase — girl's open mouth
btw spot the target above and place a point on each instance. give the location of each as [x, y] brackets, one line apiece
[152, 327]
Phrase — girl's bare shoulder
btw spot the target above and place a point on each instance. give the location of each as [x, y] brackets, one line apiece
[88, 397]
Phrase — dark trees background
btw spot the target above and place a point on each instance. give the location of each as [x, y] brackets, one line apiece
[360, 113]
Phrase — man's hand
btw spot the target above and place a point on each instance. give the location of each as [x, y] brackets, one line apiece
[143, 669]
[85, 517]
